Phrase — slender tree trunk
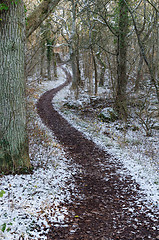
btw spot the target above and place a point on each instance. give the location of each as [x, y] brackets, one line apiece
[14, 155]
[90, 73]
[54, 64]
[74, 73]
[49, 58]
[139, 75]
[78, 63]
[103, 68]
[42, 58]
[157, 48]
[73, 47]
[101, 80]
[120, 102]
[95, 72]
[78, 70]
[78, 60]
[42, 52]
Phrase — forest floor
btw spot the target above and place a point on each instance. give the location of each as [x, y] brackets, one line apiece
[77, 190]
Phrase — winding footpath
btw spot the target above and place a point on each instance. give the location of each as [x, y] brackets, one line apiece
[105, 205]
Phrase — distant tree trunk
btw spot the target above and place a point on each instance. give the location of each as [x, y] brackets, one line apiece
[90, 73]
[54, 64]
[101, 79]
[49, 42]
[73, 49]
[42, 51]
[42, 61]
[78, 70]
[14, 155]
[74, 72]
[120, 101]
[78, 61]
[49, 58]
[103, 68]
[95, 72]
[139, 75]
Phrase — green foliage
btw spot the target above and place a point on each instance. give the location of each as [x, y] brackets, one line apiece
[2, 193]
[4, 227]
[3, 7]
[15, 1]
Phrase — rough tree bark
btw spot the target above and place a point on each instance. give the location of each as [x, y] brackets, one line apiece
[14, 156]
[14, 140]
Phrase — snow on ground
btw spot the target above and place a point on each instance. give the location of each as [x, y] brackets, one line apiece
[29, 202]
[138, 153]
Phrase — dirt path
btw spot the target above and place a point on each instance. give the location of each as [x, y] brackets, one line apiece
[104, 205]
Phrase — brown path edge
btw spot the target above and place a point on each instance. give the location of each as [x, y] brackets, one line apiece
[108, 208]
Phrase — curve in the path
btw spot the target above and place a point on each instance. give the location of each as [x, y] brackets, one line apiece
[109, 209]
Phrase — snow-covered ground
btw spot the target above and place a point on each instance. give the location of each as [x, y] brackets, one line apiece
[138, 153]
[29, 202]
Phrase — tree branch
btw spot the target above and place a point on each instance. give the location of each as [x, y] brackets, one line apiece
[39, 15]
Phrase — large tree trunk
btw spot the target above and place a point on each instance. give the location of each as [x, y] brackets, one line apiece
[14, 155]
[120, 102]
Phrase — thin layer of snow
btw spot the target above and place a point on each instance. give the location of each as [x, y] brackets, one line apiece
[138, 153]
[32, 201]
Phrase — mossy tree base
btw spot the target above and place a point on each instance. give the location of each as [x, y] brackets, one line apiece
[17, 164]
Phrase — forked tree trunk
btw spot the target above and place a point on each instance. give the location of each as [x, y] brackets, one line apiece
[13, 140]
